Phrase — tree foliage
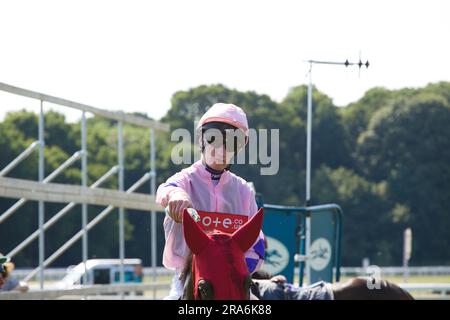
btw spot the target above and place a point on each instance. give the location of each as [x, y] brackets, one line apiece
[383, 158]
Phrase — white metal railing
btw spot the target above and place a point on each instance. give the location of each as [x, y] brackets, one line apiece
[55, 274]
[118, 115]
[442, 287]
[83, 291]
[56, 192]
[393, 271]
[44, 191]
[58, 215]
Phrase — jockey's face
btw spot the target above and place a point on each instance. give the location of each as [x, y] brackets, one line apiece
[217, 158]
[220, 146]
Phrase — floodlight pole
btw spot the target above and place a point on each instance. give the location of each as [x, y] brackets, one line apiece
[308, 149]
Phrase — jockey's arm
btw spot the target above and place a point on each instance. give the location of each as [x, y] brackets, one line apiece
[172, 193]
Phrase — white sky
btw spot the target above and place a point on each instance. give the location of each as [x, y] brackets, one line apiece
[133, 55]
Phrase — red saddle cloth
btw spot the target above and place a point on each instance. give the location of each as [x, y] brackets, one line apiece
[225, 222]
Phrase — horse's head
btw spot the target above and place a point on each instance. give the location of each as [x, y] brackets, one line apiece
[219, 270]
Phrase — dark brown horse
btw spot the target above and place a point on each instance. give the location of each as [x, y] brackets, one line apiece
[217, 269]
[358, 289]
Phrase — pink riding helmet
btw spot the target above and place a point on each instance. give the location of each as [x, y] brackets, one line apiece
[228, 113]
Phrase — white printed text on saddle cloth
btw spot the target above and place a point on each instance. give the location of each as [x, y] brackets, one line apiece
[225, 222]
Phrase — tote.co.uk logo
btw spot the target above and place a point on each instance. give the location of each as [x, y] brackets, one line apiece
[224, 222]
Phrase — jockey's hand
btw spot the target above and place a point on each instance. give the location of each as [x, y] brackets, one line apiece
[177, 203]
[278, 279]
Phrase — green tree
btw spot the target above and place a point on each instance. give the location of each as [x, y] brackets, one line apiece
[407, 146]
[328, 145]
[372, 223]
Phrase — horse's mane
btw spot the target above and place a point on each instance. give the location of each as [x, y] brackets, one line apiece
[187, 269]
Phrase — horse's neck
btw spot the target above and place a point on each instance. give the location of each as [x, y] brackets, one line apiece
[187, 280]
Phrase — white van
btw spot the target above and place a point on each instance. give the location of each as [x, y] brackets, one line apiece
[102, 271]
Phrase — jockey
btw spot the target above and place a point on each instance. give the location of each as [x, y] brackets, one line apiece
[208, 185]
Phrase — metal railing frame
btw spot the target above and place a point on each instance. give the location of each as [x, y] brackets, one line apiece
[85, 290]
[82, 154]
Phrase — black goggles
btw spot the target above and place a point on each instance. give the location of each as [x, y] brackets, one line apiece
[218, 134]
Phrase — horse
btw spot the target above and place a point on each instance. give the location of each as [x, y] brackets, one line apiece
[216, 269]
